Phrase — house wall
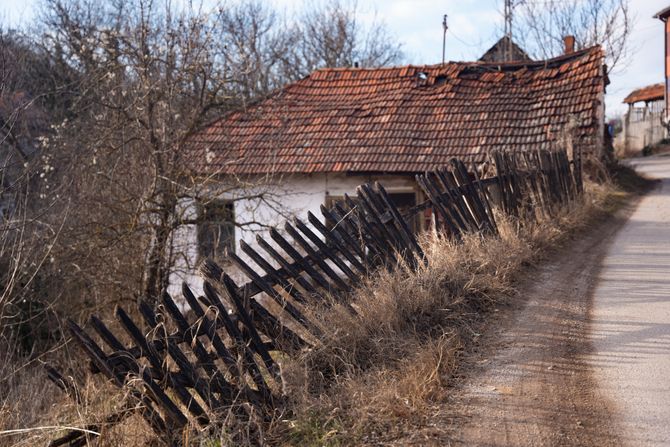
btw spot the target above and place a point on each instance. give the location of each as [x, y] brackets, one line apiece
[667, 69]
[291, 196]
[600, 122]
[641, 128]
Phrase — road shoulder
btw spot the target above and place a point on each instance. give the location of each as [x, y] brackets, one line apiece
[528, 380]
[630, 330]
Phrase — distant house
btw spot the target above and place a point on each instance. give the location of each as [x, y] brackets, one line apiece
[642, 124]
[663, 16]
[505, 50]
[337, 128]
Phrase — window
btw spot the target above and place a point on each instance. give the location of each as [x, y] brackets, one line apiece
[216, 230]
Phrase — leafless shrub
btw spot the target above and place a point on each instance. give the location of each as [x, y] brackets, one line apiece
[332, 36]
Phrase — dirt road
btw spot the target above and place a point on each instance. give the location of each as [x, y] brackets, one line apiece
[534, 385]
[584, 357]
[631, 318]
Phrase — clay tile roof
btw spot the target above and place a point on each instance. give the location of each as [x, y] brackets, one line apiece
[405, 119]
[648, 93]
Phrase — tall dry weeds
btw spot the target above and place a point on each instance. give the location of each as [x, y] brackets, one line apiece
[376, 373]
[382, 369]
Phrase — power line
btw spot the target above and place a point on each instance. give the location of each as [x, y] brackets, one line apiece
[455, 36]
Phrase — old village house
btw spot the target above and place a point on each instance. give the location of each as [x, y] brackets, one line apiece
[642, 124]
[320, 137]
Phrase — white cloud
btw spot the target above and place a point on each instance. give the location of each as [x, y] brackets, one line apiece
[418, 24]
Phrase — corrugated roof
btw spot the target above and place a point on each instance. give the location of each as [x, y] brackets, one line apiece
[648, 93]
[405, 119]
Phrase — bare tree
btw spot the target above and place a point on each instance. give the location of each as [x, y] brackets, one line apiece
[332, 36]
[29, 103]
[258, 44]
[150, 76]
[97, 104]
[591, 22]
[118, 88]
[267, 50]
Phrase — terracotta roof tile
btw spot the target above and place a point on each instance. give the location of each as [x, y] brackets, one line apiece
[648, 93]
[391, 120]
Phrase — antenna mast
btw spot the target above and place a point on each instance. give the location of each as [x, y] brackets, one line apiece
[444, 36]
[508, 29]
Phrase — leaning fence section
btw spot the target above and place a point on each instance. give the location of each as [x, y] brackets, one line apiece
[216, 354]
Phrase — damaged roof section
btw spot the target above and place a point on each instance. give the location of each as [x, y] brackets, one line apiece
[406, 119]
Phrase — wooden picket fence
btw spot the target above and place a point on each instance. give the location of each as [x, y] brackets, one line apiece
[178, 368]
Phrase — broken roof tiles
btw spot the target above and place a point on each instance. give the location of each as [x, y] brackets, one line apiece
[405, 119]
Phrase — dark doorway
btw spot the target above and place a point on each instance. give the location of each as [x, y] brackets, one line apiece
[405, 201]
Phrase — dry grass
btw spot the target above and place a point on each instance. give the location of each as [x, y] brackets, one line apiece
[26, 398]
[380, 372]
[40, 412]
[377, 374]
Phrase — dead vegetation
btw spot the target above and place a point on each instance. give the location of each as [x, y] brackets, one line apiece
[96, 100]
[377, 374]
[380, 372]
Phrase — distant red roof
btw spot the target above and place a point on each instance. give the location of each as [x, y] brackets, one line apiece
[406, 119]
[648, 93]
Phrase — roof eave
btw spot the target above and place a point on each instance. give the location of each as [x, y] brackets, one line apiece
[663, 14]
[647, 99]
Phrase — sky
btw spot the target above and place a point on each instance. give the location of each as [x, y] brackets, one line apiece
[474, 25]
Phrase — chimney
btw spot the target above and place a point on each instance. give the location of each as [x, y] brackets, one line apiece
[569, 43]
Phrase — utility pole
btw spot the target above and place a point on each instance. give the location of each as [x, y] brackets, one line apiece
[444, 37]
[508, 29]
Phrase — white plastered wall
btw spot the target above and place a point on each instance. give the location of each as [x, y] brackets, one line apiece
[291, 196]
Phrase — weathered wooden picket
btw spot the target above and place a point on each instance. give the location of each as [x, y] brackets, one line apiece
[180, 368]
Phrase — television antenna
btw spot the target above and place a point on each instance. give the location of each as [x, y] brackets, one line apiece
[445, 27]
